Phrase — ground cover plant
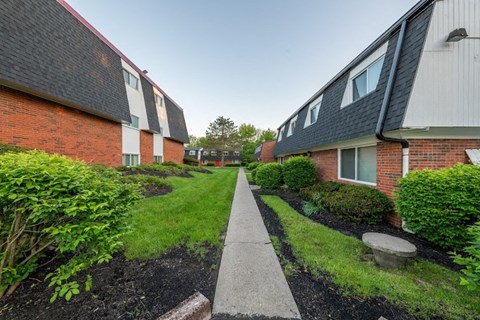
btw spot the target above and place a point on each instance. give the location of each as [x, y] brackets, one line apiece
[360, 204]
[425, 289]
[194, 214]
[470, 259]
[51, 202]
[299, 172]
[439, 205]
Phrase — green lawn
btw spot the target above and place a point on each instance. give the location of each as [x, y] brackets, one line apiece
[425, 289]
[249, 176]
[195, 213]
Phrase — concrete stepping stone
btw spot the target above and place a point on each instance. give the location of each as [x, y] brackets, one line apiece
[389, 251]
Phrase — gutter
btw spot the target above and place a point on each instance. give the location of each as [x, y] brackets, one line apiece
[388, 91]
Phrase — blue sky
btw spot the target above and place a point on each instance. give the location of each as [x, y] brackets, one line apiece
[254, 61]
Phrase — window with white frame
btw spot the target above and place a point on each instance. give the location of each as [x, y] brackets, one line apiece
[130, 79]
[313, 110]
[281, 160]
[367, 80]
[236, 161]
[158, 100]
[225, 153]
[213, 153]
[158, 159]
[130, 160]
[236, 153]
[280, 134]
[134, 122]
[191, 153]
[292, 126]
[358, 164]
[204, 161]
[205, 153]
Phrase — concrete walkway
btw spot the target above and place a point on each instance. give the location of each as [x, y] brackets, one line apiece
[250, 279]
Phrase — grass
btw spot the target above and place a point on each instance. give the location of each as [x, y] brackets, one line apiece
[425, 289]
[194, 214]
[249, 176]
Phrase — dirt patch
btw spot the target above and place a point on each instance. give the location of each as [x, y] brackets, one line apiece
[426, 249]
[153, 190]
[121, 289]
[318, 297]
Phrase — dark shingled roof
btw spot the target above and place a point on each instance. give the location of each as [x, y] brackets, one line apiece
[46, 51]
[176, 121]
[359, 119]
[150, 105]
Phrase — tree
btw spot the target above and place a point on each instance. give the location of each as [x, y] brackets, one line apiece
[267, 135]
[248, 138]
[197, 141]
[222, 134]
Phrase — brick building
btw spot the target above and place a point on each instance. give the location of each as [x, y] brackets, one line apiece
[64, 88]
[411, 100]
[207, 156]
[265, 152]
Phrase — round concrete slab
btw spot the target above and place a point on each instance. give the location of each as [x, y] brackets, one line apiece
[389, 244]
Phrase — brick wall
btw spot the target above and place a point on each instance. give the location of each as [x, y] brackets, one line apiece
[35, 123]
[172, 150]
[326, 164]
[146, 147]
[267, 152]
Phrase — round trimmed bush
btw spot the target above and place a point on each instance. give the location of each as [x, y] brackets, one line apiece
[269, 176]
[439, 205]
[253, 165]
[299, 172]
[254, 170]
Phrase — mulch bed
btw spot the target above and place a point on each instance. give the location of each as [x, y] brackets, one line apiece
[121, 289]
[320, 298]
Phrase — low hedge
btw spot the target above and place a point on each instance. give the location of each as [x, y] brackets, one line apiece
[234, 165]
[299, 172]
[190, 161]
[253, 165]
[210, 165]
[255, 169]
[269, 176]
[51, 201]
[439, 205]
[360, 204]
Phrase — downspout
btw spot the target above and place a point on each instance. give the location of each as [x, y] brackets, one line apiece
[386, 101]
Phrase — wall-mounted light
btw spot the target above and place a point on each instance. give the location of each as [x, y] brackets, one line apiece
[457, 35]
[309, 153]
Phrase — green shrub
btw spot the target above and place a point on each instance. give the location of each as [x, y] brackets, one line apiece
[143, 180]
[190, 161]
[4, 148]
[360, 204]
[269, 176]
[210, 164]
[471, 260]
[170, 164]
[50, 201]
[234, 165]
[310, 208]
[299, 172]
[440, 205]
[254, 170]
[253, 165]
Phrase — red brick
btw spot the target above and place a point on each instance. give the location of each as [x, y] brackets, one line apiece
[173, 150]
[146, 147]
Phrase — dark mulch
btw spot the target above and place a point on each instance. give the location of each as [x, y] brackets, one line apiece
[163, 174]
[426, 249]
[153, 190]
[320, 298]
[121, 289]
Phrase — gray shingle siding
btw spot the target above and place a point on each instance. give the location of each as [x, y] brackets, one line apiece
[150, 105]
[176, 122]
[359, 119]
[46, 50]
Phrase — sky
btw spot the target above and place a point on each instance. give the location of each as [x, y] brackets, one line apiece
[253, 61]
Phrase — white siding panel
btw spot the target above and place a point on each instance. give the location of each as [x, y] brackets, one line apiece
[136, 101]
[162, 115]
[157, 144]
[130, 140]
[446, 91]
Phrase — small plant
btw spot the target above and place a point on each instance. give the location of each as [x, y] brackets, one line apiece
[299, 172]
[471, 260]
[51, 202]
[190, 161]
[4, 148]
[310, 209]
[269, 176]
[439, 205]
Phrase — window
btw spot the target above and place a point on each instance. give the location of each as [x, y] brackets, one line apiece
[236, 161]
[236, 153]
[205, 153]
[313, 110]
[205, 161]
[134, 121]
[359, 164]
[157, 159]
[130, 79]
[293, 125]
[281, 160]
[367, 80]
[191, 153]
[280, 135]
[225, 153]
[213, 153]
[130, 160]
[158, 100]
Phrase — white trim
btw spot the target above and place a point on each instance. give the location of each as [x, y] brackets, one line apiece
[339, 159]
[362, 66]
[281, 133]
[317, 103]
[290, 130]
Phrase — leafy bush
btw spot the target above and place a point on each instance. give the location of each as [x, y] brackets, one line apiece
[440, 205]
[360, 204]
[210, 164]
[190, 161]
[234, 165]
[50, 201]
[471, 260]
[170, 164]
[4, 148]
[255, 169]
[253, 165]
[299, 172]
[310, 208]
[269, 176]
